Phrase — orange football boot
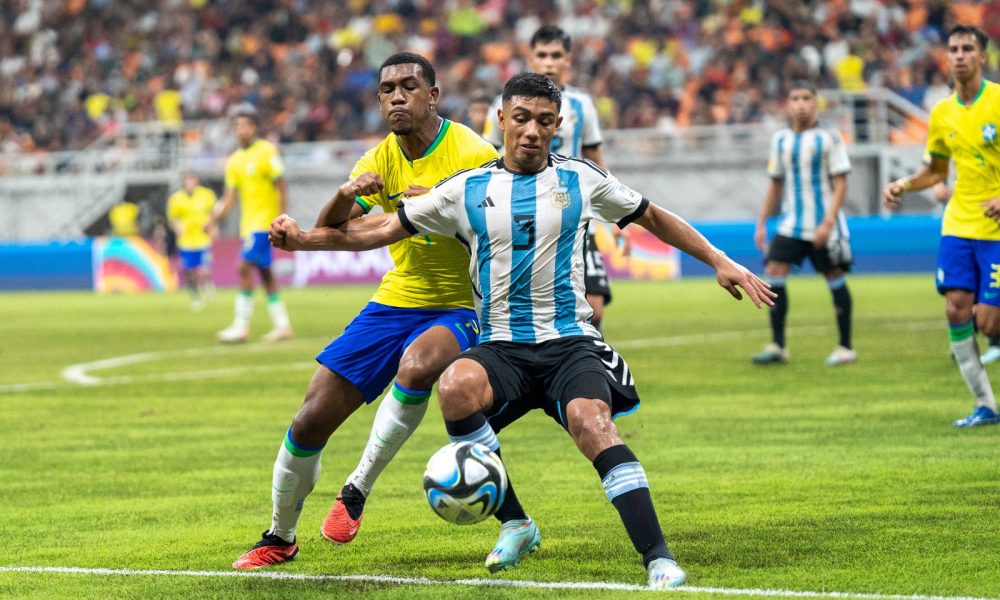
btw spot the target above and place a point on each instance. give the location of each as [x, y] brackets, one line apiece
[270, 550]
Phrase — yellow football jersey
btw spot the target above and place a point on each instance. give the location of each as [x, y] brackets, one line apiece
[430, 271]
[194, 212]
[252, 171]
[968, 135]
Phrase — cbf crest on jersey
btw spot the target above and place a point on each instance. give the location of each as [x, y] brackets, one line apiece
[989, 133]
[560, 198]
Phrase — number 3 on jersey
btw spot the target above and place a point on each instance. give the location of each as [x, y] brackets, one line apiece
[524, 232]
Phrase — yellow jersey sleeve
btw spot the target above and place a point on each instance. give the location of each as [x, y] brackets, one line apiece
[369, 163]
[936, 144]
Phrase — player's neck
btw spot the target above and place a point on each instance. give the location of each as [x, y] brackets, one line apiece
[800, 127]
[249, 143]
[415, 144]
[967, 91]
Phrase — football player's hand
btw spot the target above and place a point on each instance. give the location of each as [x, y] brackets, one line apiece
[415, 190]
[991, 208]
[284, 233]
[822, 234]
[366, 184]
[892, 194]
[623, 240]
[732, 275]
[760, 238]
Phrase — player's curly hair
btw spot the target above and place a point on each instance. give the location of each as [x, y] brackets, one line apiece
[409, 58]
[532, 85]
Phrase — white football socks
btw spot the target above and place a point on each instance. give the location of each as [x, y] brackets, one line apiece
[279, 314]
[963, 344]
[399, 414]
[243, 310]
[296, 471]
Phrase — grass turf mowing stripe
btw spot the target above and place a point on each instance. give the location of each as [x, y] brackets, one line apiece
[555, 585]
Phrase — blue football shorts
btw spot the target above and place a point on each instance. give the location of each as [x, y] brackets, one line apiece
[193, 259]
[257, 249]
[367, 353]
[972, 265]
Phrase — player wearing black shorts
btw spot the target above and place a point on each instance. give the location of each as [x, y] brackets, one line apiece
[523, 218]
[808, 169]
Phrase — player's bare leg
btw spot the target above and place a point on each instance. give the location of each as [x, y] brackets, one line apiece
[959, 309]
[844, 352]
[465, 393]
[776, 351]
[589, 423]
[330, 400]
[399, 413]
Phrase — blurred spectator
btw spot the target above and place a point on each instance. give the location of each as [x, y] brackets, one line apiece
[308, 65]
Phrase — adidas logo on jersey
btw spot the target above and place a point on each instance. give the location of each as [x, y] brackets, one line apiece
[487, 203]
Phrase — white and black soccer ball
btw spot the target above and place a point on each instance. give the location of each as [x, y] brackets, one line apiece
[465, 482]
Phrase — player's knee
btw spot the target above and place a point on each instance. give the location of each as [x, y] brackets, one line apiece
[989, 324]
[419, 371]
[462, 391]
[589, 422]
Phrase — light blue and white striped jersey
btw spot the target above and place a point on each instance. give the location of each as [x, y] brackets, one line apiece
[526, 234]
[579, 128]
[806, 161]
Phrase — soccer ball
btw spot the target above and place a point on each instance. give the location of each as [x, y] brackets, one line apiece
[465, 482]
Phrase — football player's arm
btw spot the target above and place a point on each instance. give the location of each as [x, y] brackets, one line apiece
[932, 173]
[836, 203]
[282, 187]
[355, 234]
[343, 206]
[677, 232]
[223, 207]
[771, 199]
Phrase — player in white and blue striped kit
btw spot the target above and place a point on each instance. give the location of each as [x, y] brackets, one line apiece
[808, 167]
[578, 136]
[524, 218]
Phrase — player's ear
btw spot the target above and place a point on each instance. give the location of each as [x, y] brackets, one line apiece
[500, 118]
[559, 120]
[435, 93]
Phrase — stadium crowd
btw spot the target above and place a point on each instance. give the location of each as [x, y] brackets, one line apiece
[309, 65]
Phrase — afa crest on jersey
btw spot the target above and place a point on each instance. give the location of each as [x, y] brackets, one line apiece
[989, 133]
[560, 198]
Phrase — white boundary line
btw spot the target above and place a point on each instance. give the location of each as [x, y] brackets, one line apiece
[80, 373]
[510, 583]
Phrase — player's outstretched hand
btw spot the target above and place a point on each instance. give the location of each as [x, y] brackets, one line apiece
[415, 190]
[991, 208]
[283, 233]
[365, 184]
[732, 275]
[892, 194]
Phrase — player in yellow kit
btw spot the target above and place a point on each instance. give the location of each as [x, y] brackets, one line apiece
[420, 318]
[189, 211]
[963, 128]
[256, 173]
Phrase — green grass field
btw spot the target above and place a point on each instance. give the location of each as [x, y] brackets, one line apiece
[801, 478]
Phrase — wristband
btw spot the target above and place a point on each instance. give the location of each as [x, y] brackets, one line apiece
[905, 183]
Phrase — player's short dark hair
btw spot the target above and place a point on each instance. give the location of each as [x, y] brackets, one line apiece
[532, 85]
[802, 84]
[547, 34]
[409, 58]
[972, 30]
[246, 111]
